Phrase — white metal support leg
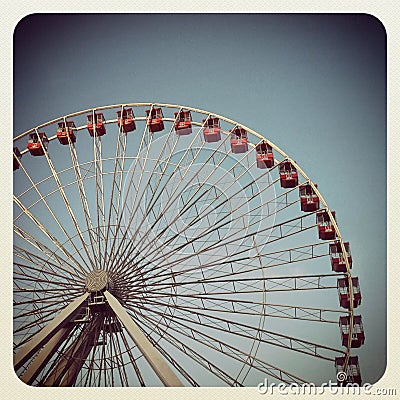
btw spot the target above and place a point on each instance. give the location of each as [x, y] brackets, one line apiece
[47, 332]
[153, 357]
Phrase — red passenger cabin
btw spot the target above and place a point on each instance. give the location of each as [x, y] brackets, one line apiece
[288, 175]
[264, 155]
[37, 143]
[308, 198]
[352, 375]
[155, 119]
[338, 261]
[344, 295]
[17, 155]
[65, 130]
[211, 129]
[96, 124]
[358, 336]
[183, 122]
[239, 140]
[126, 120]
[326, 230]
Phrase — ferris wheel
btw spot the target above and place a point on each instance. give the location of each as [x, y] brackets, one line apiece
[157, 244]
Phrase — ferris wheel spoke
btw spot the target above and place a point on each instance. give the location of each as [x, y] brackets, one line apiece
[113, 367]
[49, 299]
[222, 224]
[57, 265]
[240, 280]
[26, 276]
[41, 299]
[204, 214]
[43, 198]
[175, 194]
[187, 204]
[49, 369]
[132, 360]
[117, 367]
[189, 378]
[277, 232]
[68, 208]
[167, 150]
[172, 360]
[239, 329]
[277, 284]
[89, 379]
[180, 165]
[114, 215]
[145, 142]
[215, 228]
[253, 308]
[99, 190]
[25, 290]
[98, 369]
[243, 265]
[33, 241]
[146, 139]
[186, 349]
[269, 259]
[33, 262]
[41, 312]
[216, 344]
[47, 233]
[83, 198]
[103, 375]
[154, 172]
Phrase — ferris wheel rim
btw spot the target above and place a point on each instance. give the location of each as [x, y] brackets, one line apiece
[234, 123]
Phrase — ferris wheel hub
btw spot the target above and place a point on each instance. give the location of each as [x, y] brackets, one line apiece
[98, 280]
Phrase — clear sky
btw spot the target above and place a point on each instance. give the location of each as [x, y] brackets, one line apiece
[315, 85]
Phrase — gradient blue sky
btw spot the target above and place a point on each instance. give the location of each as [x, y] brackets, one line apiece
[315, 85]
